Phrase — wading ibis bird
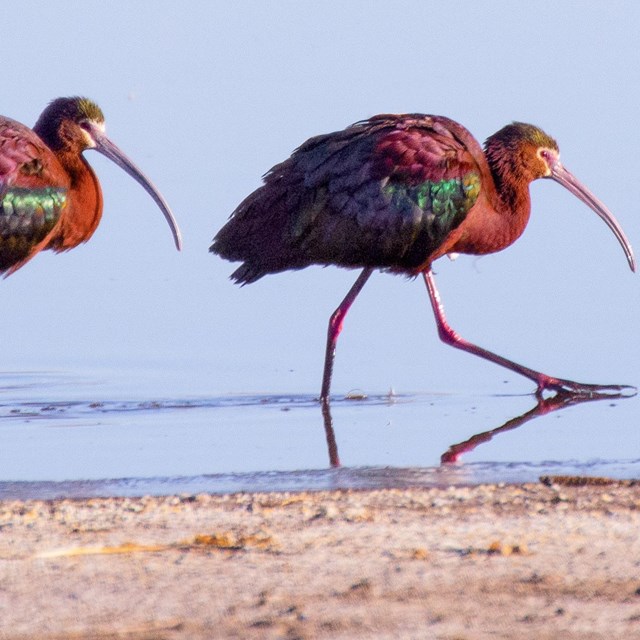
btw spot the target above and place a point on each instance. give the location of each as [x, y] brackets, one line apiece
[50, 198]
[396, 192]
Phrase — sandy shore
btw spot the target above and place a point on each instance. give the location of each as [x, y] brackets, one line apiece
[518, 561]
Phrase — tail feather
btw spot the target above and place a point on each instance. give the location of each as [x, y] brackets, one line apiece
[246, 274]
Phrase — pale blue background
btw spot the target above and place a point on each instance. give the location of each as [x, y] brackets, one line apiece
[207, 96]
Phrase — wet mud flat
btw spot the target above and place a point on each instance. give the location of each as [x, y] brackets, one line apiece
[559, 558]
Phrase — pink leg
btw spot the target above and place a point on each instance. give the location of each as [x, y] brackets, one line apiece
[335, 327]
[543, 382]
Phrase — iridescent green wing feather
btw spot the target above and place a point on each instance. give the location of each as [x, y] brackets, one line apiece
[27, 216]
[436, 207]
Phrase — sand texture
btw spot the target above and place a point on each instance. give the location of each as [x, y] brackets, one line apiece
[515, 561]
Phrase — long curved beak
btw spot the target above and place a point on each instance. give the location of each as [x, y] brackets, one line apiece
[570, 182]
[109, 149]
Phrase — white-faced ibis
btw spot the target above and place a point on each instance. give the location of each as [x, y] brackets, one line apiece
[50, 198]
[396, 192]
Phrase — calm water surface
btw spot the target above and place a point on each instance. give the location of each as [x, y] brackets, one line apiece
[107, 433]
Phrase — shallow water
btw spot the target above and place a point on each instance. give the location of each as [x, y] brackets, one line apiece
[103, 433]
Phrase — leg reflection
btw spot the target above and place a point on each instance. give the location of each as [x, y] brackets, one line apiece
[332, 447]
[560, 400]
[544, 406]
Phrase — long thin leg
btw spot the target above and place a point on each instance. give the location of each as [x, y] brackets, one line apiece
[543, 382]
[335, 327]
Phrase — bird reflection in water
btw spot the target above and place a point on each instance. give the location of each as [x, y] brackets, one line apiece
[332, 445]
[543, 407]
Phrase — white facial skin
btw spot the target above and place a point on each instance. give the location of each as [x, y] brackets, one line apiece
[87, 126]
[550, 158]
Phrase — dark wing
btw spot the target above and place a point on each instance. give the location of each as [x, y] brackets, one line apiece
[30, 201]
[383, 193]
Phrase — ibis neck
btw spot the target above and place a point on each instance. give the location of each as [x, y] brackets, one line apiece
[512, 201]
[82, 214]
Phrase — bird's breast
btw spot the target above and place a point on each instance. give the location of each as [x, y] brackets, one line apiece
[82, 215]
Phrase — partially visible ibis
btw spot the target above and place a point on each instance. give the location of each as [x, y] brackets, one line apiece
[397, 192]
[50, 198]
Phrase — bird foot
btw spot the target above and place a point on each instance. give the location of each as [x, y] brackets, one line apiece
[560, 386]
